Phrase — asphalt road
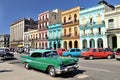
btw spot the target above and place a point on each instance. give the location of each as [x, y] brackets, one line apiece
[97, 69]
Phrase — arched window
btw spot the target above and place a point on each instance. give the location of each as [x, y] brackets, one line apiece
[111, 23]
[64, 19]
[75, 17]
[69, 19]
[64, 32]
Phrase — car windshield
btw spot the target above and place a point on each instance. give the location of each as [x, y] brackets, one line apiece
[50, 54]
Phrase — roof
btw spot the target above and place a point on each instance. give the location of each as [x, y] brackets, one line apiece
[40, 50]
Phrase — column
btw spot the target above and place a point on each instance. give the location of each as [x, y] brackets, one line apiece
[96, 43]
[118, 40]
[88, 43]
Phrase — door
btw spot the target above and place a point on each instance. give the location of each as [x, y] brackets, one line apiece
[78, 52]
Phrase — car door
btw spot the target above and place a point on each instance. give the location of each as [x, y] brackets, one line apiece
[101, 53]
[78, 52]
[95, 52]
[36, 60]
[72, 52]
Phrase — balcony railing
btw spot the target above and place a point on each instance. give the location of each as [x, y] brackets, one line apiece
[55, 38]
[70, 23]
[68, 36]
[89, 26]
[92, 35]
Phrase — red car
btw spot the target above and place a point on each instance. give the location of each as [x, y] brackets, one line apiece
[92, 53]
[60, 51]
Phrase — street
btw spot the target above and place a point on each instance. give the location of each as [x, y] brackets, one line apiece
[97, 69]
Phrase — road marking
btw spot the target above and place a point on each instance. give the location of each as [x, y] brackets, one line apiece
[82, 76]
[96, 69]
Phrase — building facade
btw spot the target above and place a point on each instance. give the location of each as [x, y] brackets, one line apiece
[112, 20]
[33, 38]
[4, 40]
[17, 30]
[44, 20]
[55, 36]
[92, 26]
[70, 28]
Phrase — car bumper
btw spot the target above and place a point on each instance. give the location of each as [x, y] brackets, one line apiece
[66, 69]
[117, 57]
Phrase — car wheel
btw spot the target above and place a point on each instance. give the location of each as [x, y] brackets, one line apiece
[91, 57]
[51, 71]
[109, 57]
[27, 66]
[69, 55]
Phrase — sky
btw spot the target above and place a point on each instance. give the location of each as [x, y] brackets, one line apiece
[13, 10]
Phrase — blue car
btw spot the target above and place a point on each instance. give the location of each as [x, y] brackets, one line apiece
[73, 52]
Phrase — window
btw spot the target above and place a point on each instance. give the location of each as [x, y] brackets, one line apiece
[78, 50]
[98, 19]
[69, 31]
[50, 54]
[91, 21]
[72, 50]
[75, 17]
[64, 32]
[54, 16]
[94, 50]
[64, 19]
[91, 31]
[99, 30]
[111, 23]
[36, 55]
[84, 32]
[43, 18]
[75, 31]
[84, 21]
[69, 19]
[46, 16]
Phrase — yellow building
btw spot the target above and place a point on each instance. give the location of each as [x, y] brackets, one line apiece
[70, 28]
[33, 38]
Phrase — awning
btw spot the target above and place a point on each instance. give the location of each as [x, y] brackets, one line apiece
[20, 46]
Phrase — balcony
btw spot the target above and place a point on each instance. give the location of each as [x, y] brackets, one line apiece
[92, 35]
[43, 28]
[54, 38]
[43, 39]
[68, 36]
[71, 23]
[89, 26]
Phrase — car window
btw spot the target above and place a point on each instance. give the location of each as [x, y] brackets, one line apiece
[78, 50]
[50, 54]
[72, 50]
[118, 50]
[101, 50]
[94, 50]
[36, 54]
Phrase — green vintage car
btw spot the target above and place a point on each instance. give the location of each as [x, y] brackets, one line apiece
[50, 61]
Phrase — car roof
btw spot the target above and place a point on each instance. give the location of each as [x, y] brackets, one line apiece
[41, 51]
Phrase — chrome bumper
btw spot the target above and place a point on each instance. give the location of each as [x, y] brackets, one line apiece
[66, 69]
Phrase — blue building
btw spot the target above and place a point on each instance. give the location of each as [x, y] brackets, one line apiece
[55, 36]
[92, 26]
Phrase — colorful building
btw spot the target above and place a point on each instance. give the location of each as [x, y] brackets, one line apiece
[70, 28]
[44, 20]
[55, 36]
[112, 22]
[33, 38]
[92, 26]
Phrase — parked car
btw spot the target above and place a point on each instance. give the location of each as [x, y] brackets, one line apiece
[5, 53]
[50, 61]
[117, 54]
[60, 51]
[92, 53]
[73, 52]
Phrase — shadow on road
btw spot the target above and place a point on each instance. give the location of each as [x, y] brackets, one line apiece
[1, 71]
[71, 74]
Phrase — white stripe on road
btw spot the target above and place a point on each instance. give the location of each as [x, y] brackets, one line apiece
[104, 70]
